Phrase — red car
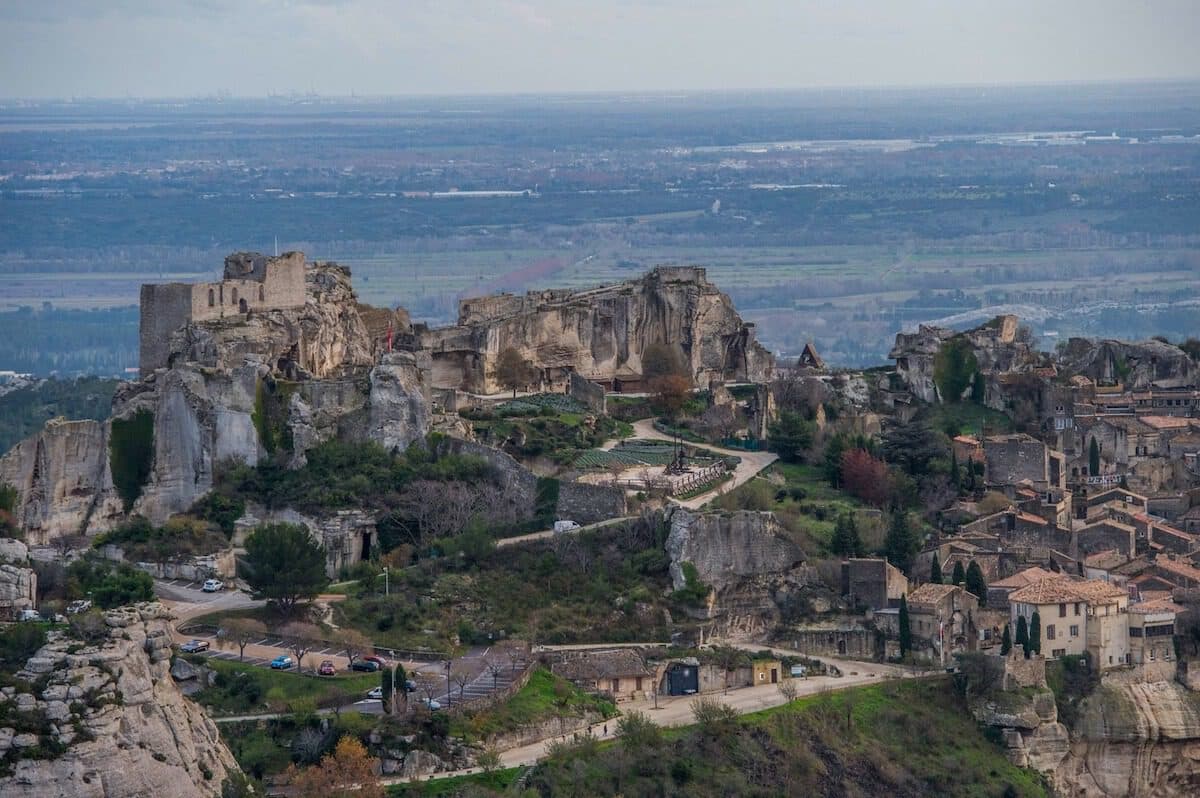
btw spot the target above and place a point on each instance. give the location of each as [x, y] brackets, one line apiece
[380, 661]
[326, 668]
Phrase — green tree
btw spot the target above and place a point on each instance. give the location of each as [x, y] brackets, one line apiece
[978, 388]
[1006, 641]
[913, 447]
[959, 575]
[387, 677]
[901, 543]
[1023, 634]
[661, 360]
[131, 455]
[846, 541]
[1035, 633]
[791, 436]
[935, 570]
[833, 460]
[284, 565]
[975, 581]
[954, 366]
[1093, 458]
[905, 628]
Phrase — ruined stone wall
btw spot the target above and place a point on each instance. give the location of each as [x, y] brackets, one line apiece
[1015, 458]
[584, 503]
[859, 643]
[587, 393]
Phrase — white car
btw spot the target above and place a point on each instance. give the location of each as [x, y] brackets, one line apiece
[76, 607]
[431, 705]
[29, 615]
[376, 693]
[213, 585]
[565, 526]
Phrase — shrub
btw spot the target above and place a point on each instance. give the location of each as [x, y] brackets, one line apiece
[131, 455]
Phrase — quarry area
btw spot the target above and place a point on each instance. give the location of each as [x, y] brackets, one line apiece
[312, 531]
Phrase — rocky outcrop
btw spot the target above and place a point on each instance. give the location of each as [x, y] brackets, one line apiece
[1135, 364]
[998, 347]
[600, 333]
[1136, 740]
[125, 729]
[18, 582]
[238, 387]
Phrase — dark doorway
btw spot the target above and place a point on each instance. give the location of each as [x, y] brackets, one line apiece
[242, 306]
[842, 647]
[366, 545]
[774, 675]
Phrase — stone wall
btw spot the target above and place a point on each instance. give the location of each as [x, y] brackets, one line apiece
[1012, 458]
[587, 504]
[587, 393]
[854, 642]
[1020, 672]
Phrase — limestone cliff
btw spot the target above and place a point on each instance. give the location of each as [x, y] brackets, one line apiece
[238, 387]
[1136, 740]
[18, 582]
[1135, 364]
[107, 720]
[600, 333]
[753, 569]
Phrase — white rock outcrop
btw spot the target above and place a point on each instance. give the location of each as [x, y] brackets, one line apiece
[127, 730]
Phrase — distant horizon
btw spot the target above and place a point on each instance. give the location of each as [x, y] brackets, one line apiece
[220, 96]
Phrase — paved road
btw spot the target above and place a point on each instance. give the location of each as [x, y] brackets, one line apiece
[549, 533]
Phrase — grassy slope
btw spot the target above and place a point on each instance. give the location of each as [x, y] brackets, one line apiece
[544, 697]
[275, 690]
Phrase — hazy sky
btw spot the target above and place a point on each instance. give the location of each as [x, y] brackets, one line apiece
[252, 47]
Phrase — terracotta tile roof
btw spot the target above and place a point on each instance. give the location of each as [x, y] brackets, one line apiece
[1171, 531]
[1155, 605]
[930, 593]
[1033, 519]
[1026, 577]
[1109, 558]
[1166, 422]
[970, 440]
[1057, 590]
[603, 665]
[1177, 568]
[1109, 523]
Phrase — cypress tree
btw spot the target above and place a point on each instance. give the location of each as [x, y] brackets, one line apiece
[845, 536]
[1006, 641]
[960, 575]
[1023, 634]
[975, 580]
[901, 543]
[1035, 633]
[1094, 458]
[935, 570]
[905, 629]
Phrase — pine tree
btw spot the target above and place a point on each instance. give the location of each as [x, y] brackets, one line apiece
[975, 580]
[905, 629]
[935, 570]
[846, 541]
[960, 575]
[1023, 635]
[1006, 641]
[1035, 633]
[901, 543]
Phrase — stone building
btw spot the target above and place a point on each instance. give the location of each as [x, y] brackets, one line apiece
[1012, 459]
[1077, 616]
[873, 583]
[620, 673]
[251, 282]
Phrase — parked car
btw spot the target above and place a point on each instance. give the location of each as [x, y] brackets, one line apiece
[565, 526]
[78, 606]
[431, 705]
[370, 666]
[195, 646]
[380, 661]
[282, 663]
[29, 615]
[213, 585]
[326, 668]
[410, 686]
[376, 693]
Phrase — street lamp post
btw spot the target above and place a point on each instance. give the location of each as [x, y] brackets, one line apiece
[387, 588]
[392, 665]
[448, 683]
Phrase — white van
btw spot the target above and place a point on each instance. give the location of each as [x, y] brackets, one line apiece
[565, 526]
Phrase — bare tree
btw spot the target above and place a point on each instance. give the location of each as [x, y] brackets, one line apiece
[787, 689]
[240, 632]
[461, 677]
[515, 655]
[299, 637]
[354, 644]
[437, 509]
[496, 669]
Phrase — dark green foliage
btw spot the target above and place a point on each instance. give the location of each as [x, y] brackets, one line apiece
[1006, 641]
[220, 509]
[108, 584]
[1093, 457]
[547, 501]
[1072, 680]
[978, 388]
[694, 593]
[960, 575]
[271, 400]
[24, 410]
[1035, 633]
[284, 565]
[833, 459]
[181, 536]
[902, 543]
[935, 570]
[905, 627]
[8, 504]
[913, 447]
[1023, 634]
[131, 455]
[387, 677]
[846, 540]
[19, 642]
[975, 581]
[791, 436]
[954, 368]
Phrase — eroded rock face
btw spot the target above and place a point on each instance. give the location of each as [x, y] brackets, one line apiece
[600, 333]
[1136, 364]
[1137, 740]
[399, 410]
[129, 732]
[725, 548]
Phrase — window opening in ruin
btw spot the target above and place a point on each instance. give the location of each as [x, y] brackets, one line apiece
[212, 297]
[262, 294]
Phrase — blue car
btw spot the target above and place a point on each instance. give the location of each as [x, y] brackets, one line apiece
[282, 663]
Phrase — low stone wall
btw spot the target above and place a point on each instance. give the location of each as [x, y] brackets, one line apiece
[860, 643]
[545, 730]
[222, 564]
[1020, 672]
